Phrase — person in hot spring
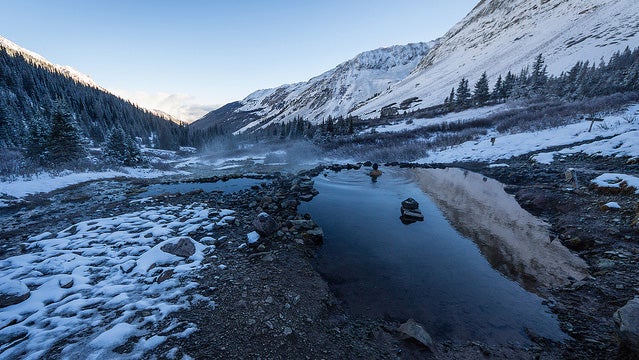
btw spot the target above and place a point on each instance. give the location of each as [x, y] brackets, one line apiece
[375, 173]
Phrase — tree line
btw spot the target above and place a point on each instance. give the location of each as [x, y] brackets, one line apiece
[35, 97]
[584, 80]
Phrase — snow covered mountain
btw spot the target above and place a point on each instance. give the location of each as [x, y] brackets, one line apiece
[336, 92]
[37, 59]
[497, 36]
[502, 35]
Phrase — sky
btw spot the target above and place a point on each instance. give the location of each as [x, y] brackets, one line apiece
[186, 57]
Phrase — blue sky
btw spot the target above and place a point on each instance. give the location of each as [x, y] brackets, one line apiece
[214, 52]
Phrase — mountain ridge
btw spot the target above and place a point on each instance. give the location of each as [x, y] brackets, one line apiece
[332, 93]
[496, 36]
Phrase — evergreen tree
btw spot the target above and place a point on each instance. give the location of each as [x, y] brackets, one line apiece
[329, 124]
[498, 93]
[463, 95]
[450, 101]
[481, 95]
[509, 84]
[38, 138]
[539, 74]
[64, 143]
[121, 148]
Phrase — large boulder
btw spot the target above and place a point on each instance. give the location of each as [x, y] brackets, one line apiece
[627, 325]
[13, 292]
[265, 225]
[184, 248]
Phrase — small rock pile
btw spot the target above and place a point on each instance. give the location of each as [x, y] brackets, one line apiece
[411, 212]
[305, 187]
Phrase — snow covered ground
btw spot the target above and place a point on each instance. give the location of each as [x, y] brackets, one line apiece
[104, 282]
[621, 131]
[47, 182]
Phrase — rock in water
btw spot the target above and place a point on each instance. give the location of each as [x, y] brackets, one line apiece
[314, 236]
[412, 330]
[265, 225]
[184, 248]
[413, 214]
[410, 211]
[627, 325]
[410, 204]
[13, 292]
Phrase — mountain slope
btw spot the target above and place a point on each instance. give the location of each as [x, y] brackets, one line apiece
[333, 93]
[39, 60]
[502, 35]
[30, 86]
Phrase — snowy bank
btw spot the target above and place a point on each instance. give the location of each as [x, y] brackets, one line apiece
[47, 182]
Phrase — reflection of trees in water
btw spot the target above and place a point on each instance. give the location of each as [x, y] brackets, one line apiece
[513, 241]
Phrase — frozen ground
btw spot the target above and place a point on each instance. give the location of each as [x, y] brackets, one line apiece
[105, 284]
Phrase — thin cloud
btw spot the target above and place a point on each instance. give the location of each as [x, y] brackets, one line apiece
[181, 106]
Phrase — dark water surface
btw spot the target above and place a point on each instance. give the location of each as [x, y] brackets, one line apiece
[426, 270]
[229, 186]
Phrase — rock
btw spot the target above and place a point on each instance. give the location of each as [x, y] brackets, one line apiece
[306, 197]
[165, 275]
[579, 243]
[412, 214]
[268, 258]
[13, 292]
[66, 282]
[537, 201]
[627, 325]
[410, 204]
[303, 224]
[287, 331]
[265, 225]
[291, 203]
[412, 330]
[314, 236]
[184, 248]
[252, 238]
[610, 206]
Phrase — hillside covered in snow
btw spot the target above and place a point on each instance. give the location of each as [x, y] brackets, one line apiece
[336, 92]
[498, 36]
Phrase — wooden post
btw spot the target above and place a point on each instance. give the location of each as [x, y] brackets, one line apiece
[592, 121]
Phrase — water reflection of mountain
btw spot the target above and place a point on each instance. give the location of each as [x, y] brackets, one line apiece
[514, 242]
